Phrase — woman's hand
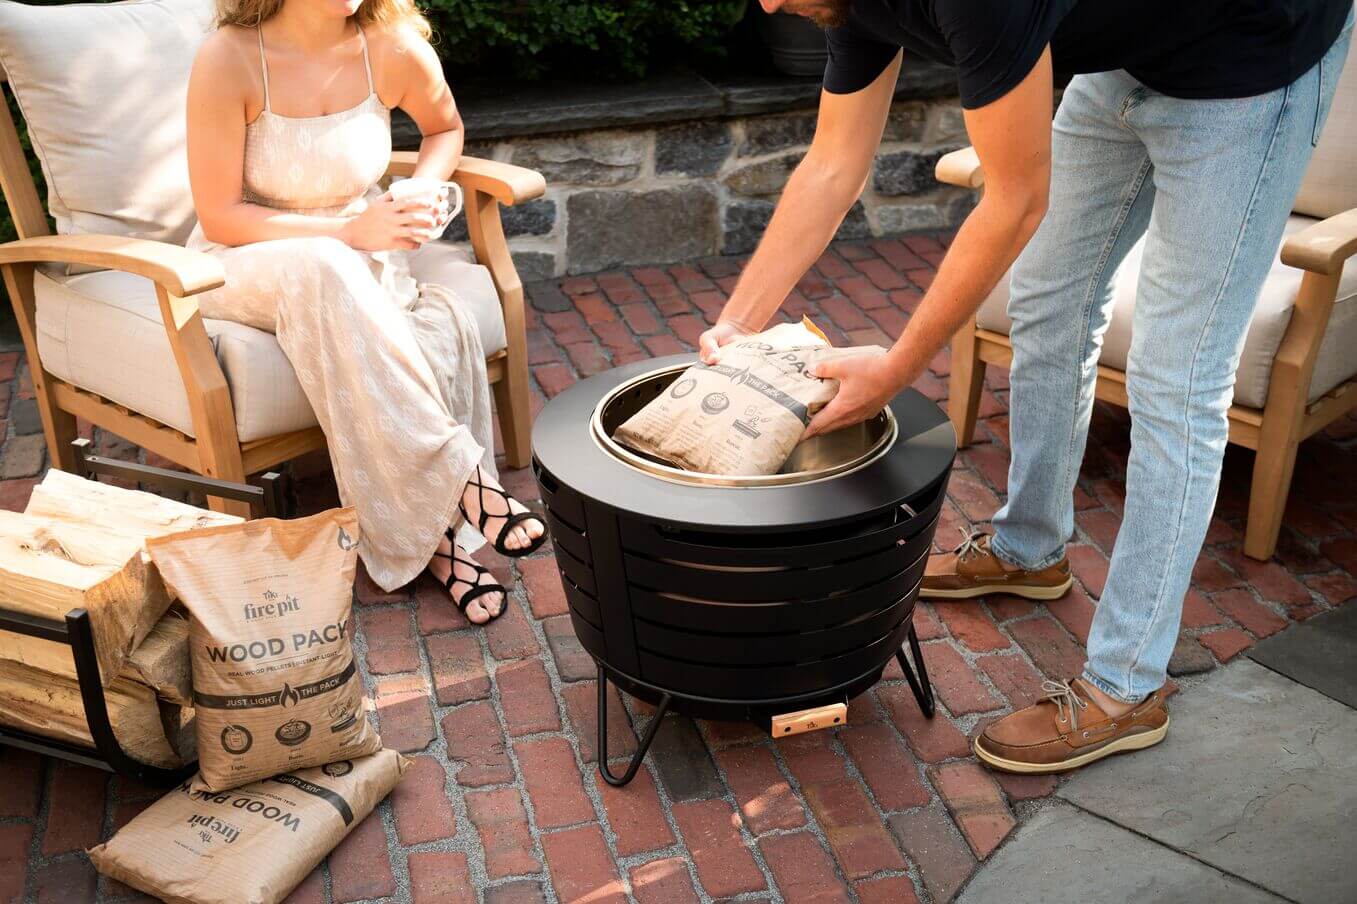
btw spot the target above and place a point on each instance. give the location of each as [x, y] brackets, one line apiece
[387, 225]
[725, 332]
[866, 384]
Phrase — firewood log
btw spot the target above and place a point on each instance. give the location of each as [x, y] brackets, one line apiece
[50, 705]
[66, 497]
[48, 568]
[181, 729]
[80, 543]
[161, 661]
[133, 516]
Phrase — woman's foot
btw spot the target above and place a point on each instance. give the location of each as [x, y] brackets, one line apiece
[507, 523]
[473, 589]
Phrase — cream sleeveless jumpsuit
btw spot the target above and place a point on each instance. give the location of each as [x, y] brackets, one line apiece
[394, 369]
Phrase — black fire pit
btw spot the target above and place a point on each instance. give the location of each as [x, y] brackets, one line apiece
[770, 599]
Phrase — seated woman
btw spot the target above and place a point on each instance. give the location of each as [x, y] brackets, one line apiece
[289, 132]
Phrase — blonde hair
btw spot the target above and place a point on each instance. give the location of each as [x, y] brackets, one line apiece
[251, 13]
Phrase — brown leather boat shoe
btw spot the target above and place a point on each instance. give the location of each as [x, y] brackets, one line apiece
[972, 569]
[1067, 730]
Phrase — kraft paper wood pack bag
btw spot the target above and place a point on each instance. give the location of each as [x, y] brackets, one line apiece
[743, 415]
[275, 684]
[250, 845]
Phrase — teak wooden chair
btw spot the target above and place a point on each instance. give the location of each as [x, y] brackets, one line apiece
[178, 273]
[1274, 430]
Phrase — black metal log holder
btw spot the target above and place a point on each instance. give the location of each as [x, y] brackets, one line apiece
[76, 630]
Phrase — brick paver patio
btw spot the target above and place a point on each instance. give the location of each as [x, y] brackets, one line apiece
[502, 803]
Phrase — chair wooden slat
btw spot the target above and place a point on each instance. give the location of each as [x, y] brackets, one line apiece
[25, 208]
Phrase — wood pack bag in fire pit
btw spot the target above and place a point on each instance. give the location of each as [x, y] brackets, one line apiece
[275, 684]
[743, 415]
[251, 845]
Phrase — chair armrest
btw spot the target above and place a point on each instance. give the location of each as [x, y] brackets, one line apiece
[506, 183]
[960, 168]
[178, 274]
[1325, 246]
[181, 271]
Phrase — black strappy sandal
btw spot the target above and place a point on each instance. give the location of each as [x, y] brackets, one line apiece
[511, 520]
[477, 590]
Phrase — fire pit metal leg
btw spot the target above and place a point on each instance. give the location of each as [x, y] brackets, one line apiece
[922, 687]
[644, 746]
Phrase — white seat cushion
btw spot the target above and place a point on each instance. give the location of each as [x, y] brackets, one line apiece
[1335, 363]
[102, 332]
[450, 266]
[102, 88]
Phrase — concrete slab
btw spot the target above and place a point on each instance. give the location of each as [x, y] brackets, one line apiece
[1256, 778]
[1320, 653]
[1066, 856]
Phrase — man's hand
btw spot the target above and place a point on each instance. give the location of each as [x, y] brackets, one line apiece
[724, 333]
[866, 384]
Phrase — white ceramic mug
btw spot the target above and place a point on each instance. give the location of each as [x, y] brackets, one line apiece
[435, 192]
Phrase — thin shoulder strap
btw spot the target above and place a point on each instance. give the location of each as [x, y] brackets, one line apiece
[263, 64]
[367, 63]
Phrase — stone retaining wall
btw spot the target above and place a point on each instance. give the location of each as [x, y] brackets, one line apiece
[621, 197]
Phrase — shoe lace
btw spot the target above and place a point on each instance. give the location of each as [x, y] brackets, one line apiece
[971, 543]
[1068, 704]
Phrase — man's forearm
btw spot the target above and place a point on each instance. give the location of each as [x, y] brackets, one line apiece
[811, 208]
[983, 250]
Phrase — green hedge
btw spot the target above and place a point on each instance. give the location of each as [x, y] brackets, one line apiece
[533, 38]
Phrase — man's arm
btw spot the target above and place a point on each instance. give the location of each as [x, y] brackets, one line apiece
[818, 195]
[1012, 137]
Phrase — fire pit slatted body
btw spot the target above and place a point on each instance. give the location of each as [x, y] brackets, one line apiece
[794, 618]
[738, 602]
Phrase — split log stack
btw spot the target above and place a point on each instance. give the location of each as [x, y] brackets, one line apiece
[81, 544]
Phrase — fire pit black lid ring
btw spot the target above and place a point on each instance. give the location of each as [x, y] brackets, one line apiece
[564, 447]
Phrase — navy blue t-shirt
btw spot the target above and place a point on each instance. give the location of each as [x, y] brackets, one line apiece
[1183, 48]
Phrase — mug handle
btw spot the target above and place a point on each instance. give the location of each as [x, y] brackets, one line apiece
[456, 207]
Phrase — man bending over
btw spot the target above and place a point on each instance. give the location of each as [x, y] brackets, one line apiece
[1189, 123]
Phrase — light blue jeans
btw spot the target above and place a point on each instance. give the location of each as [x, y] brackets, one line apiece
[1210, 184]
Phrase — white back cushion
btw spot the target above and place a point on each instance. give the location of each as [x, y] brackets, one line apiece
[102, 87]
[1330, 184]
